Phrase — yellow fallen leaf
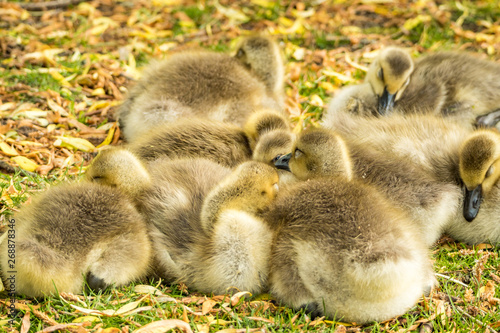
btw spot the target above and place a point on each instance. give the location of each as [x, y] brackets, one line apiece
[59, 78]
[264, 3]
[31, 114]
[6, 198]
[30, 143]
[338, 76]
[128, 307]
[220, 322]
[316, 100]
[102, 105]
[7, 106]
[75, 143]
[412, 23]
[111, 330]
[98, 91]
[230, 13]
[85, 318]
[25, 163]
[6, 321]
[109, 137]
[328, 87]
[8, 150]
[164, 326]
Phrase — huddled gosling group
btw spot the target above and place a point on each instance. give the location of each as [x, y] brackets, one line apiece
[213, 189]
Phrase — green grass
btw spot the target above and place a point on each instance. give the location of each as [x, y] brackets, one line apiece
[312, 35]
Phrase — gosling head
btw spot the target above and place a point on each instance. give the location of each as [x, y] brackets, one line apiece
[251, 187]
[389, 75]
[119, 168]
[262, 56]
[264, 121]
[317, 153]
[272, 145]
[479, 167]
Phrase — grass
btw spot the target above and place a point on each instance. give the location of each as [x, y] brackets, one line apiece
[319, 30]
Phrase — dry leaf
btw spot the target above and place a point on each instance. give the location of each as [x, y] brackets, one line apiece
[25, 163]
[8, 150]
[25, 326]
[235, 299]
[74, 143]
[164, 326]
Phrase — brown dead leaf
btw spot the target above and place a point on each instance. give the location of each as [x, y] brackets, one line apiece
[235, 299]
[208, 306]
[25, 326]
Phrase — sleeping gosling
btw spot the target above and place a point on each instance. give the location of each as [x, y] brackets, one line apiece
[430, 204]
[455, 85]
[205, 84]
[75, 235]
[236, 251]
[198, 213]
[342, 250]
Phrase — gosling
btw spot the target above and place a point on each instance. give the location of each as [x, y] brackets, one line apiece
[452, 155]
[206, 84]
[76, 235]
[198, 213]
[236, 252]
[342, 250]
[223, 143]
[456, 85]
[430, 204]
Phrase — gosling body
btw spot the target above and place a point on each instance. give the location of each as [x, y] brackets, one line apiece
[430, 204]
[342, 250]
[205, 84]
[203, 220]
[78, 234]
[458, 86]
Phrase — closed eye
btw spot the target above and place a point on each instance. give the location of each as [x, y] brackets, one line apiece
[298, 153]
[490, 171]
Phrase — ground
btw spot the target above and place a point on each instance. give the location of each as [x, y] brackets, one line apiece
[64, 71]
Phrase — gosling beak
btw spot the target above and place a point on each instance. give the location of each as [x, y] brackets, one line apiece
[472, 201]
[282, 162]
[385, 102]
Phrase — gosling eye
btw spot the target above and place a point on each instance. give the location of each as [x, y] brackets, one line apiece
[277, 157]
[381, 74]
[490, 171]
[240, 53]
[298, 153]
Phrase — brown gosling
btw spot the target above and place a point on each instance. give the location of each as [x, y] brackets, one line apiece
[479, 167]
[341, 249]
[236, 253]
[429, 203]
[436, 147]
[262, 56]
[77, 234]
[220, 142]
[196, 211]
[389, 75]
[456, 85]
[169, 194]
[205, 84]
[270, 137]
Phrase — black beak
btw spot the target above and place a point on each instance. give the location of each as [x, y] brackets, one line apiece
[282, 162]
[385, 102]
[472, 201]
